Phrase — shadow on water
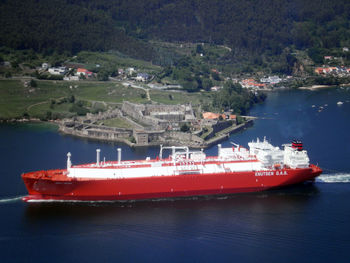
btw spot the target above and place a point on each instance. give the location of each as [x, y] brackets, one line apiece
[276, 200]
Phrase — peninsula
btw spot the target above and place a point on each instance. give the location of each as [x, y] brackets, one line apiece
[155, 124]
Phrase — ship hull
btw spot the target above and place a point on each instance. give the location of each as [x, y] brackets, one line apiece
[42, 187]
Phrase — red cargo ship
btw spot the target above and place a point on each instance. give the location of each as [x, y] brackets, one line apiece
[183, 173]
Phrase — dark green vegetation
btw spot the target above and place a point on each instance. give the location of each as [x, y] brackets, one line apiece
[256, 31]
[65, 26]
[195, 43]
[104, 64]
[320, 80]
[234, 97]
[196, 71]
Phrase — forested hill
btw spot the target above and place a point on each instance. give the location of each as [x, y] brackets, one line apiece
[65, 26]
[250, 26]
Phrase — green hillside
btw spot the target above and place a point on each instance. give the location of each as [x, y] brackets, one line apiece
[250, 28]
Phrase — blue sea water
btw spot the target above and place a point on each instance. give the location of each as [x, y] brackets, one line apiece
[305, 223]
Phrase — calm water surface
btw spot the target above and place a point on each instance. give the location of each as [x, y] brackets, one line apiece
[307, 223]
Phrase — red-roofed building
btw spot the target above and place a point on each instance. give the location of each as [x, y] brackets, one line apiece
[319, 70]
[83, 71]
[215, 116]
[210, 115]
[251, 83]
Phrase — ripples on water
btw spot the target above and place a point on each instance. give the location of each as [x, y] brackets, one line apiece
[304, 223]
[11, 199]
[334, 178]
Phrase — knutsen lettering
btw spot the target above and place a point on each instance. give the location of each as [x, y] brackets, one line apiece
[271, 173]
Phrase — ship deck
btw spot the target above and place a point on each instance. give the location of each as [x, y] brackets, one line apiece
[163, 162]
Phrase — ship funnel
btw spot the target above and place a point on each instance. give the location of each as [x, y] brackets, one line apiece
[98, 157]
[119, 154]
[69, 163]
[297, 144]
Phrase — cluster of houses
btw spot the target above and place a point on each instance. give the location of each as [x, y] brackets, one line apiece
[67, 72]
[76, 73]
[131, 73]
[263, 83]
[340, 71]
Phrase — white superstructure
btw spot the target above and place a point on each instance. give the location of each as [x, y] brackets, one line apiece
[292, 155]
[261, 156]
[295, 158]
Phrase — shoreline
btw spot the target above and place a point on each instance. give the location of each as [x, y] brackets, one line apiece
[215, 140]
[318, 87]
[224, 135]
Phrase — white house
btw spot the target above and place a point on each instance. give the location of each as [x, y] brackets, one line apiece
[129, 71]
[215, 88]
[271, 80]
[57, 71]
[142, 77]
[45, 65]
[71, 78]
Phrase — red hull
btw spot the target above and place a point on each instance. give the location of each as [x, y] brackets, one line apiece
[54, 185]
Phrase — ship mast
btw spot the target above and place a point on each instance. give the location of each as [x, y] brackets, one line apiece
[69, 163]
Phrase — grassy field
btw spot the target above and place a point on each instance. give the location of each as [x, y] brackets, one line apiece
[108, 92]
[167, 97]
[17, 99]
[111, 59]
[118, 122]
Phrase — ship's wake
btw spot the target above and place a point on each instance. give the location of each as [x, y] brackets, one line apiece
[334, 178]
[11, 199]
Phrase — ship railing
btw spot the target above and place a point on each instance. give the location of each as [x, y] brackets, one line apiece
[187, 167]
[237, 157]
[174, 150]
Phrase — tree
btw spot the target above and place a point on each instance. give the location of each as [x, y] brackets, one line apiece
[215, 76]
[316, 54]
[199, 49]
[26, 115]
[190, 86]
[33, 83]
[207, 84]
[184, 128]
[102, 75]
[48, 115]
[8, 74]
[71, 99]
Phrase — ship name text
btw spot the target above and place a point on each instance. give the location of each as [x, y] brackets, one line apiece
[270, 173]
